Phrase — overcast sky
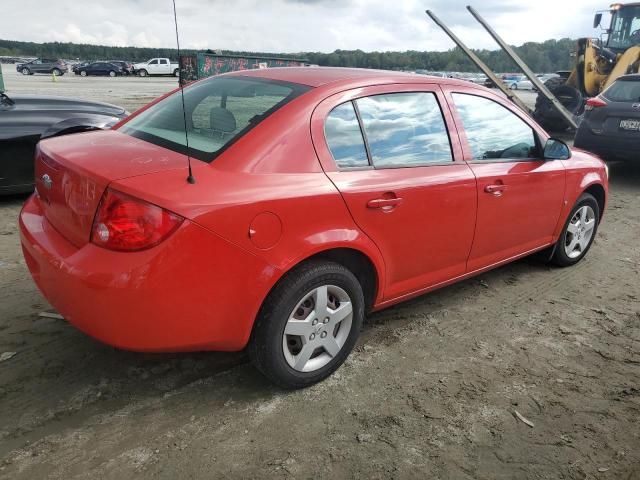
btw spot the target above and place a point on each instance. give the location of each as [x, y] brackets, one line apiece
[292, 25]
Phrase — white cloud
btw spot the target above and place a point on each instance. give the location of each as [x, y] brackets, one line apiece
[292, 25]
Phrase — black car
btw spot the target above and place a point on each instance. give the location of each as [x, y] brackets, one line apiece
[25, 119]
[40, 65]
[611, 124]
[100, 68]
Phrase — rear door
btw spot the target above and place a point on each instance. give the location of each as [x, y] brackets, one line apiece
[520, 195]
[163, 66]
[388, 151]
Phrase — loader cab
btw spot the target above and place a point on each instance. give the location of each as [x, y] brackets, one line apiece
[624, 31]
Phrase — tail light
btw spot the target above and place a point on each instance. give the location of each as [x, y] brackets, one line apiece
[128, 224]
[595, 102]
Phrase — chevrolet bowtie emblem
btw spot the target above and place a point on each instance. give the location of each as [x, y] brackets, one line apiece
[46, 181]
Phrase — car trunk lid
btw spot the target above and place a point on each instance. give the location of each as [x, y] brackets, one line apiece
[72, 172]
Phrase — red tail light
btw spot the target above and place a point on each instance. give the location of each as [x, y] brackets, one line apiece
[595, 102]
[128, 224]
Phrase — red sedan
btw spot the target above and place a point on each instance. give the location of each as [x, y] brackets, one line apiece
[320, 194]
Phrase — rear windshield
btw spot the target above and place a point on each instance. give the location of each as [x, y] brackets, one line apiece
[623, 91]
[218, 111]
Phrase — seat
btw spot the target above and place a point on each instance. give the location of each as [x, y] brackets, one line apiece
[222, 121]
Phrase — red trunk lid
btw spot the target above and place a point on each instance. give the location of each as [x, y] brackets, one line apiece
[73, 171]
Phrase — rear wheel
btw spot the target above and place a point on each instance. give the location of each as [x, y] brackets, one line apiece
[57, 72]
[308, 325]
[176, 73]
[112, 73]
[578, 233]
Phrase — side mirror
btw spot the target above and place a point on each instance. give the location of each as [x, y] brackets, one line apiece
[556, 149]
[597, 20]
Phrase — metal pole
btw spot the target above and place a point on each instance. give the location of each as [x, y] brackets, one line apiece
[479, 63]
[525, 69]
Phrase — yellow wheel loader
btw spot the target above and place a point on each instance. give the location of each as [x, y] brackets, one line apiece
[599, 62]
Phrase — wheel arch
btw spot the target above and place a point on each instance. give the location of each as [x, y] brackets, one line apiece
[598, 192]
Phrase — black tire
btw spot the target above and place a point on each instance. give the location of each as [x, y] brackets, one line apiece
[560, 256]
[546, 114]
[56, 71]
[112, 73]
[266, 344]
[176, 72]
[142, 73]
[83, 73]
[25, 71]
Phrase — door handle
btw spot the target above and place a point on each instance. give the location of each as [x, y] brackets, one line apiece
[496, 189]
[386, 203]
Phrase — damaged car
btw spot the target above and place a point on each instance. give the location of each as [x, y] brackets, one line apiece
[26, 119]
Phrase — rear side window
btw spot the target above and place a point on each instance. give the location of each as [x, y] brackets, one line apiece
[623, 90]
[493, 131]
[404, 129]
[342, 131]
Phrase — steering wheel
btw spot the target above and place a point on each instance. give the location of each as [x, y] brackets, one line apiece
[635, 36]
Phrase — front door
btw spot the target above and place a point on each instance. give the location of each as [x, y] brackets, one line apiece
[520, 195]
[388, 151]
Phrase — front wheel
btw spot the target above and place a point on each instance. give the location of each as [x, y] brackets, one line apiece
[83, 73]
[578, 233]
[142, 73]
[308, 325]
[26, 71]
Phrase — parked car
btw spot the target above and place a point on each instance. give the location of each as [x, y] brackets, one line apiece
[76, 66]
[157, 66]
[25, 119]
[100, 68]
[317, 195]
[610, 126]
[523, 84]
[127, 67]
[38, 65]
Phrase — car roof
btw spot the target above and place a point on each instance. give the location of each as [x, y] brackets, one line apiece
[320, 76]
[631, 77]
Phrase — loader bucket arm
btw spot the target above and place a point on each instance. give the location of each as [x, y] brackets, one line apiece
[479, 63]
[525, 69]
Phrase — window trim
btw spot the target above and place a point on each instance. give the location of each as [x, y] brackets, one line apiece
[462, 132]
[372, 166]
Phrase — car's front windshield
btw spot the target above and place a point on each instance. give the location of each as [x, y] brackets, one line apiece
[625, 28]
[218, 111]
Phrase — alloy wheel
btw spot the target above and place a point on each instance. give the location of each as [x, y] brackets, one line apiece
[317, 328]
[580, 231]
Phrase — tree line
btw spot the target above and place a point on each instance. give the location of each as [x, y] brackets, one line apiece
[548, 56]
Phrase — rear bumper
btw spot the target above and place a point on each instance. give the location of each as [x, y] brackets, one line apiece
[608, 147]
[194, 291]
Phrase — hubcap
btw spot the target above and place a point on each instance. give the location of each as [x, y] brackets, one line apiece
[580, 232]
[318, 328]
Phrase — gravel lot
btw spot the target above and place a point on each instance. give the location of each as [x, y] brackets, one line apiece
[431, 390]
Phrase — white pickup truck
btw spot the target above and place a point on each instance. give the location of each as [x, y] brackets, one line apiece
[157, 66]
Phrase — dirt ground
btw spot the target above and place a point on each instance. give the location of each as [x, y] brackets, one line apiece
[431, 390]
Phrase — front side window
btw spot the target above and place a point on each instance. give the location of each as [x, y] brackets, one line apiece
[218, 111]
[153, 62]
[493, 131]
[404, 129]
[342, 131]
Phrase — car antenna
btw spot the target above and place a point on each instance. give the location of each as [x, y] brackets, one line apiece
[190, 178]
